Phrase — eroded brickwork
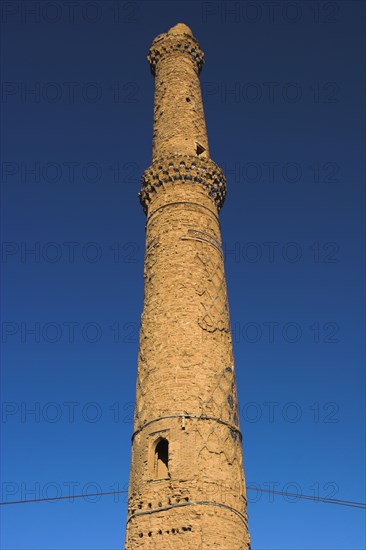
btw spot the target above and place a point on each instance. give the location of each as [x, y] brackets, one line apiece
[187, 487]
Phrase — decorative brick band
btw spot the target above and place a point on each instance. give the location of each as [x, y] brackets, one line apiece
[234, 429]
[191, 503]
[183, 168]
[165, 44]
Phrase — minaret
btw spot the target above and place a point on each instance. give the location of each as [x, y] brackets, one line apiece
[187, 488]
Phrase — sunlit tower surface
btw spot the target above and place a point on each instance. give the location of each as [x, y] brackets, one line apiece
[187, 488]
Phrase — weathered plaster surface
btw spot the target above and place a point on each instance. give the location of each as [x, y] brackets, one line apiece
[186, 390]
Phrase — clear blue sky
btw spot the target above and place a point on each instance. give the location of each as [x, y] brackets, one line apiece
[283, 88]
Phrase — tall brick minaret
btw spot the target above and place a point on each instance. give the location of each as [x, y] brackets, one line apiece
[187, 487]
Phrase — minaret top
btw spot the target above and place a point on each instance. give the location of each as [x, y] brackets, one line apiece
[180, 28]
[178, 40]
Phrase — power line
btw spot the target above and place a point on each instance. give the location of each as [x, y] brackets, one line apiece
[339, 502]
[70, 497]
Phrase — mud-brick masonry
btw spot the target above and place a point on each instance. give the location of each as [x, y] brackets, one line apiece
[187, 487]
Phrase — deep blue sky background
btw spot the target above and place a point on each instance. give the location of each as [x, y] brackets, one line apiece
[309, 130]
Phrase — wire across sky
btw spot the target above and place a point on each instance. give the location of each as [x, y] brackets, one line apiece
[339, 502]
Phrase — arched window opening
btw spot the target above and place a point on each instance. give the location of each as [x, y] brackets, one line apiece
[161, 459]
